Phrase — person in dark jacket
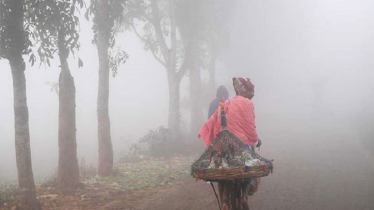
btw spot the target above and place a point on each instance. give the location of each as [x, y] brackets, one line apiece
[221, 92]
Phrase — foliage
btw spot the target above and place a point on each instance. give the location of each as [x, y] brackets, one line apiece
[57, 27]
[104, 20]
[86, 171]
[155, 144]
[44, 20]
[116, 58]
[8, 30]
[50, 182]
[154, 19]
[8, 194]
[141, 11]
[161, 144]
[203, 24]
[146, 174]
[53, 86]
[114, 11]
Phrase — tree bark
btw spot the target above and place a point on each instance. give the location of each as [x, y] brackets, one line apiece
[173, 77]
[22, 135]
[68, 169]
[169, 56]
[155, 21]
[195, 98]
[212, 71]
[21, 113]
[105, 163]
[170, 63]
[174, 103]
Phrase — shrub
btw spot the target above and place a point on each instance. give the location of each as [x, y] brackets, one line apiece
[8, 194]
[86, 171]
[161, 144]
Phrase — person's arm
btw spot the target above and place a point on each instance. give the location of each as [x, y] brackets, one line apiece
[259, 143]
[212, 108]
[211, 128]
[252, 130]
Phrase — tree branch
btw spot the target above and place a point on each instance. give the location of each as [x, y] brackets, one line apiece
[157, 58]
[149, 19]
[145, 40]
[173, 32]
[142, 11]
[137, 33]
[159, 36]
[183, 69]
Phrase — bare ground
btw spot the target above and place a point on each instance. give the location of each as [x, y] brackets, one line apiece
[332, 179]
[331, 175]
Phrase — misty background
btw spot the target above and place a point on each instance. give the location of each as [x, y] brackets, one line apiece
[312, 64]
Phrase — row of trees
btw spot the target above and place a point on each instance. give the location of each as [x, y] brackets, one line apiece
[184, 36]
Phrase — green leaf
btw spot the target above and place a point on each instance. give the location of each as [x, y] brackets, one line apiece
[86, 15]
[32, 59]
[80, 63]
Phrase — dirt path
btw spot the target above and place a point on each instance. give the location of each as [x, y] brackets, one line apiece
[336, 177]
[329, 175]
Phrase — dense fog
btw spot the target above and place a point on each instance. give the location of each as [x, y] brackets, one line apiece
[311, 63]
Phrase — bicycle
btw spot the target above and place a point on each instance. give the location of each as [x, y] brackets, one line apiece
[231, 194]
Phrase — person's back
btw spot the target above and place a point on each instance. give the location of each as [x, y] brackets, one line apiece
[239, 113]
[241, 122]
[241, 119]
[221, 92]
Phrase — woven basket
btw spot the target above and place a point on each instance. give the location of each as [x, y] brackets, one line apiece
[232, 173]
[227, 146]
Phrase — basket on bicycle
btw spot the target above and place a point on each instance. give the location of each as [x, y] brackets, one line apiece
[228, 158]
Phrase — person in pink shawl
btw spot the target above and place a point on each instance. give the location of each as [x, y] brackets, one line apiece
[240, 117]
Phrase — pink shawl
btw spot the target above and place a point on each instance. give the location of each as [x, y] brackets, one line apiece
[240, 121]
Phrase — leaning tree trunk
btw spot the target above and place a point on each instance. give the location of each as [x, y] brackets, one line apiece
[195, 98]
[21, 113]
[174, 100]
[212, 71]
[105, 164]
[68, 170]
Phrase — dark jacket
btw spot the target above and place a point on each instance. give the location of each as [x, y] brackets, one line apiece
[221, 92]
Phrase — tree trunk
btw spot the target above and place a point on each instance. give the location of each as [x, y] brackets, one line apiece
[174, 100]
[212, 71]
[68, 169]
[22, 135]
[21, 113]
[105, 163]
[195, 98]
[173, 77]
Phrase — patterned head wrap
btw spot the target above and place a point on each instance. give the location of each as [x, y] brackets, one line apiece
[242, 85]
